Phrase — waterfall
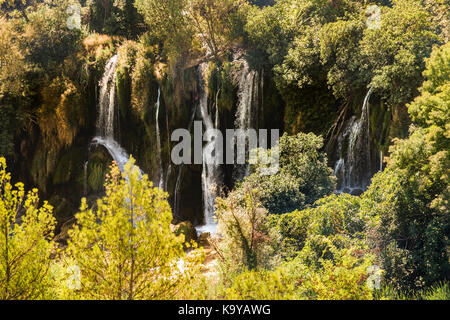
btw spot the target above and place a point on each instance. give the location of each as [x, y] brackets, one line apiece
[381, 161]
[106, 110]
[85, 178]
[247, 111]
[166, 181]
[353, 168]
[105, 121]
[211, 175]
[365, 127]
[119, 155]
[158, 141]
[176, 197]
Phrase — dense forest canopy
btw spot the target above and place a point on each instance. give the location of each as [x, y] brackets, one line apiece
[360, 90]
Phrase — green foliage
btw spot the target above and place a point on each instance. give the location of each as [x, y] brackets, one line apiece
[303, 175]
[264, 31]
[318, 49]
[331, 215]
[167, 23]
[12, 62]
[262, 285]
[325, 249]
[187, 28]
[241, 220]
[339, 273]
[46, 39]
[14, 8]
[124, 248]
[324, 246]
[303, 178]
[339, 53]
[395, 53]
[26, 231]
[411, 197]
[431, 107]
[342, 275]
[217, 23]
[118, 17]
[441, 291]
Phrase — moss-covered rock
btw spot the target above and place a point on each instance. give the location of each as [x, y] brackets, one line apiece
[97, 168]
[70, 168]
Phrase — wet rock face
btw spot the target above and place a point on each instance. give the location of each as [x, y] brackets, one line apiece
[189, 195]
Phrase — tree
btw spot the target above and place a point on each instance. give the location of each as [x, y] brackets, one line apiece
[411, 198]
[12, 62]
[215, 23]
[303, 178]
[241, 221]
[167, 23]
[330, 216]
[303, 175]
[124, 248]
[114, 17]
[323, 254]
[339, 53]
[26, 231]
[10, 6]
[395, 52]
[46, 39]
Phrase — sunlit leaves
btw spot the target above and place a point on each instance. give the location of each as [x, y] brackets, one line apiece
[26, 231]
[124, 248]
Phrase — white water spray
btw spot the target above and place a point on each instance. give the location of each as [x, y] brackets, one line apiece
[158, 141]
[105, 122]
[353, 169]
[211, 175]
[247, 109]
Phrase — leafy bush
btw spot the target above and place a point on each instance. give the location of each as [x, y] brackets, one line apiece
[411, 197]
[125, 249]
[341, 275]
[441, 291]
[261, 285]
[332, 215]
[303, 175]
[26, 231]
[244, 243]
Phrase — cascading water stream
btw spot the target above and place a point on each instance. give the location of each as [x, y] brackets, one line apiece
[246, 109]
[353, 168]
[211, 176]
[85, 182]
[158, 141]
[381, 161]
[119, 155]
[105, 122]
[166, 181]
